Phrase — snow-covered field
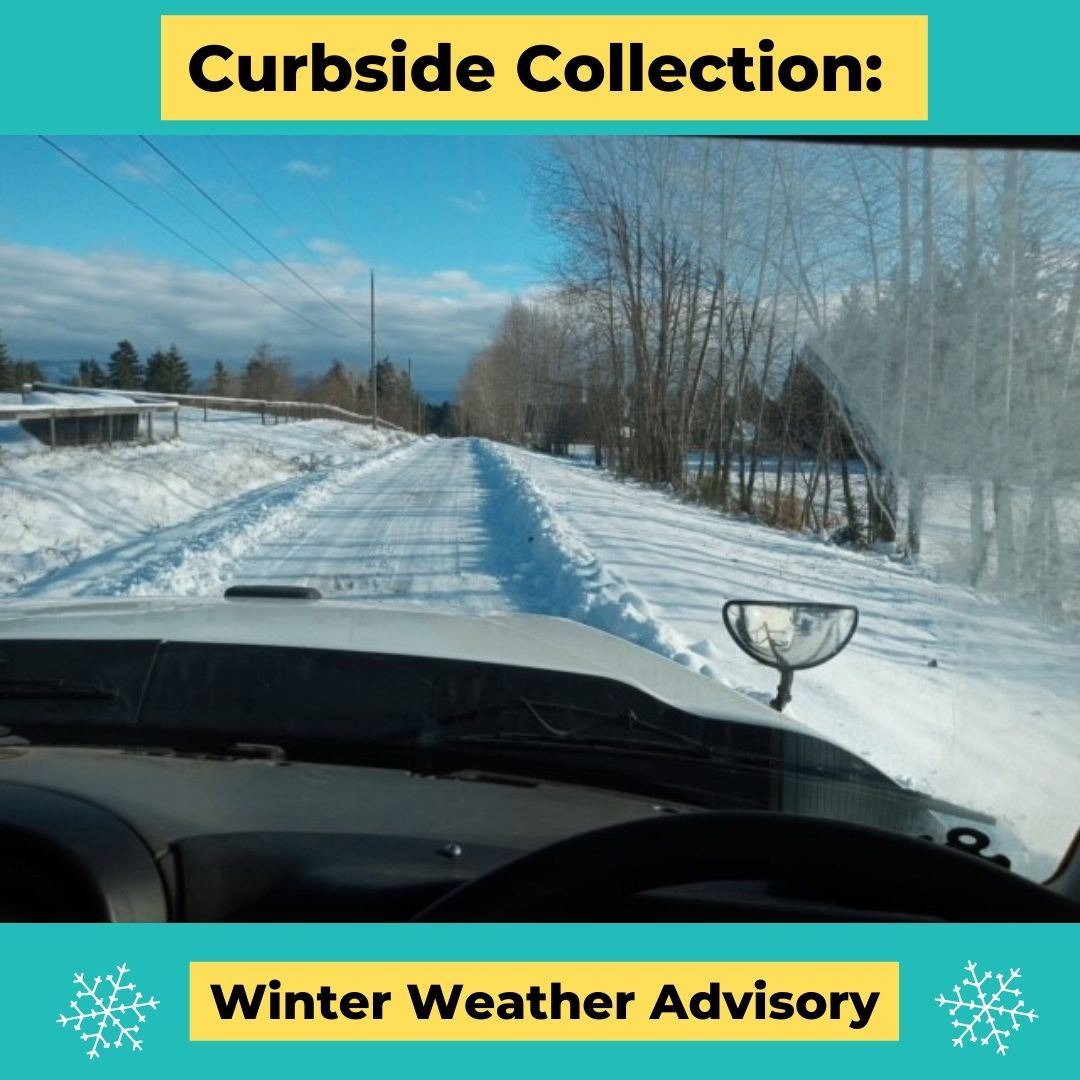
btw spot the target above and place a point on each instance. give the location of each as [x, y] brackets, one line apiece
[944, 689]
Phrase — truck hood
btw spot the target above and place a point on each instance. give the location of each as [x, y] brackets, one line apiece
[526, 641]
[530, 641]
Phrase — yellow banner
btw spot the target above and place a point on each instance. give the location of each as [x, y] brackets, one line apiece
[853, 1001]
[558, 68]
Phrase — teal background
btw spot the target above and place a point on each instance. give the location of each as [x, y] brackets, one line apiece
[80, 68]
[39, 962]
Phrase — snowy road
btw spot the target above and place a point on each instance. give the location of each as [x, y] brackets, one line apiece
[942, 688]
[411, 534]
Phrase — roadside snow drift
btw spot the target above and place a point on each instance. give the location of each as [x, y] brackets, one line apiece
[59, 507]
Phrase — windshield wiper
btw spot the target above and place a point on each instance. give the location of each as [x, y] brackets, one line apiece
[54, 690]
[587, 742]
[626, 731]
[583, 733]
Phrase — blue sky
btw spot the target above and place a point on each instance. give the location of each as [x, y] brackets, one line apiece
[448, 224]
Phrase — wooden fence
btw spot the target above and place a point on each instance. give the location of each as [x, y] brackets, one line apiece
[268, 410]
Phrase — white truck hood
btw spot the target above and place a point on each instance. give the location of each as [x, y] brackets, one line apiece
[531, 641]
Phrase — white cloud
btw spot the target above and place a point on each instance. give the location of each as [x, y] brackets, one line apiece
[471, 204]
[323, 245]
[56, 304]
[452, 280]
[144, 170]
[300, 167]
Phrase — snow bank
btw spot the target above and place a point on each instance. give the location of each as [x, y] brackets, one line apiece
[199, 557]
[63, 506]
[553, 571]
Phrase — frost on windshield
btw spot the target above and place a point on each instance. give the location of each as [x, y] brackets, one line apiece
[874, 345]
[878, 343]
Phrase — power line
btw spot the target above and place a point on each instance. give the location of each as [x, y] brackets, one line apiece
[184, 240]
[151, 179]
[247, 232]
[250, 186]
[298, 240]
[220, 233]
[336, 223]
[331, 213]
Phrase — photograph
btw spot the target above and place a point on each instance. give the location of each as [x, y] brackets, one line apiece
[539, 528]
[539, 542]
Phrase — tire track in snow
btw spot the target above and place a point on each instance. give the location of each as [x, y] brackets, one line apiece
[412, 535]
[197, 556]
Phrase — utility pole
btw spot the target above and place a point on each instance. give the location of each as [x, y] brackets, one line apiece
[374, 381]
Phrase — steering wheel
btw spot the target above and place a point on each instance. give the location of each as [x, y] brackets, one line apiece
[587, 876]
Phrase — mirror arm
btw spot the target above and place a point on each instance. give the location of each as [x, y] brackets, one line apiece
[783, 691]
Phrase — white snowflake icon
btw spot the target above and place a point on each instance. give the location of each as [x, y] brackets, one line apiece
[996, 1008]
[111, 1017]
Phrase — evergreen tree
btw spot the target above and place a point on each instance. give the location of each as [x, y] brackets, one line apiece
[155, 372]
[387, 379]
[221, 381]
[441, 420]
[91, 373]
[125, 368]
[179, 375]
[7, 370]
[167, 372]
[26, 371]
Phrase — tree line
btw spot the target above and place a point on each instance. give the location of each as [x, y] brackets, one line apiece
[269, 375]
[13, 373]
[164, 371]
[828, 336]
[265, 375]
